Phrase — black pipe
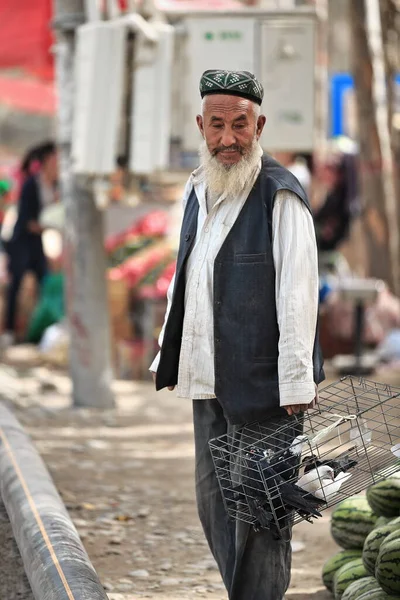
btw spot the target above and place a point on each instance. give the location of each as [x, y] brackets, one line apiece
[55, 561]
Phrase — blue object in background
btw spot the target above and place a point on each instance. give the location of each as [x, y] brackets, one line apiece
[340, 84]
[324, 291]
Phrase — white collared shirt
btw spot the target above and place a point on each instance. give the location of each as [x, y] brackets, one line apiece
[296, 265]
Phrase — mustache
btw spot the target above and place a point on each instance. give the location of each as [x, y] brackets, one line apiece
[233, 148]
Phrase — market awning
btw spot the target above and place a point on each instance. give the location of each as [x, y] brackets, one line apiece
[26, 37]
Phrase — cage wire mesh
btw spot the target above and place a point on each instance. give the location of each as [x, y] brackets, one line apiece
[274, 476]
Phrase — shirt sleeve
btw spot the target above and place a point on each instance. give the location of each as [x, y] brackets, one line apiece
[170, 292]
[296, 266]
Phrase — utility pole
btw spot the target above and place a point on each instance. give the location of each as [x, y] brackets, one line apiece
[85, 262]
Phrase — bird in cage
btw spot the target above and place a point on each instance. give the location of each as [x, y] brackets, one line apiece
[340, 464]
[396, 450]
[322, 482]
[285, 462]
[265, 479]
[264, 519]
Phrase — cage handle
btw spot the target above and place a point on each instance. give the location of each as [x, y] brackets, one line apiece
[326, 430]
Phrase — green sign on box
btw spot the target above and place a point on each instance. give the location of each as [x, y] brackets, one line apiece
[223, 35]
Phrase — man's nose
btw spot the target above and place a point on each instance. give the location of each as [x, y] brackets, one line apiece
[228, 138]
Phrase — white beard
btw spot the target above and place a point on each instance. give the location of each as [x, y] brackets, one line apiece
[229, 180]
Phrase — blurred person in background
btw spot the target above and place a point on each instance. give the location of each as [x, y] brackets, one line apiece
[298, 164]
[240, 335]
[24, 247]
[341, 203]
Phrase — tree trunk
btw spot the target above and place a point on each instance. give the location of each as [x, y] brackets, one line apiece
[375, 219]
[390, 18]
[85, 262]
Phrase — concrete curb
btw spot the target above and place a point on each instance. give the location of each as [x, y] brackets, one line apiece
[55, 561]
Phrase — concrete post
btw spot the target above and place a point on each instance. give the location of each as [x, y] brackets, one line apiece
[85, 262]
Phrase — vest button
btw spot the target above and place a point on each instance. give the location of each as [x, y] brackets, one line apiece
[187, 237]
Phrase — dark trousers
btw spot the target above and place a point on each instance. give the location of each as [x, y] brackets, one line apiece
[21, 261]
[253, 565]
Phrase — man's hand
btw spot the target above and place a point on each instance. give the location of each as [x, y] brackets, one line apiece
[171, 387]
[295, 409]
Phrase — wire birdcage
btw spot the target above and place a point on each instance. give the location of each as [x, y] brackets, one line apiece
[276, 474]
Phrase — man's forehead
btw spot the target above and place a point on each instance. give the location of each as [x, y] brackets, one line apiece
[224, 106]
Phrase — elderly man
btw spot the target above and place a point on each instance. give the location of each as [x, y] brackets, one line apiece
[240, 334]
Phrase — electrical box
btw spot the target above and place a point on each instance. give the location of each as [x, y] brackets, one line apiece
[278, 47]
[151, 102]
[280, 50]
[98, 94]
[212, 43]
[287, 71]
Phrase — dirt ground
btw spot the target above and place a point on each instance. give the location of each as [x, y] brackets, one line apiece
[126, 477]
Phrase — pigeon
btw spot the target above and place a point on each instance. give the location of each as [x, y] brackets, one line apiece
[264, 480]
[341, 464]
[257, 506]
[263, 517]
[285, 462]
[396, 450]
[322, 482]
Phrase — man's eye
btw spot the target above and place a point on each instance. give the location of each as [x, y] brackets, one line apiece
[239, 126]
[217, 126]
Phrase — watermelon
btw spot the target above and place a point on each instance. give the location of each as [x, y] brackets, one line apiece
[373, 543]
[381, 521]
[350, 572]
[384, 496]
[378, 594]
[359, 587]
[388, 564]
[334, 563]
[352, 520]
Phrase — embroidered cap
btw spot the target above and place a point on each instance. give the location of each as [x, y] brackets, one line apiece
[232, 83]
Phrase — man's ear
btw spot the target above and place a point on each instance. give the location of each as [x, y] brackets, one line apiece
[260, 125]
[200, 124]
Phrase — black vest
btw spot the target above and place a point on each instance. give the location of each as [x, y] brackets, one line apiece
[246, 332]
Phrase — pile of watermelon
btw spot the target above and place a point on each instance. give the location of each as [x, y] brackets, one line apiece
[368, 530]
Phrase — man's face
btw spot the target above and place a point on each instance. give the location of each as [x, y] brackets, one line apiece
[229, 126]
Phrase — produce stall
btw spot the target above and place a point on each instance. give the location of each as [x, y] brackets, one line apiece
[141, 266]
